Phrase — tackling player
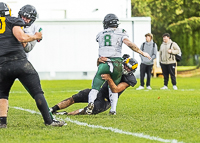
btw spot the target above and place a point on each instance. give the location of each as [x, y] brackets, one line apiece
[110, 45]
[103, 101]
[14, 64]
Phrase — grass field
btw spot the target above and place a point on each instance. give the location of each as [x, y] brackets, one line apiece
[142, 116]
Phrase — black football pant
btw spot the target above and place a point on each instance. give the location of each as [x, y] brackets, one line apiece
[145, 69]
[166, 70]
[100, 104]
[27, 75]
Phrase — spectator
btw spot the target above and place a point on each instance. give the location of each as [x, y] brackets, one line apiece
[146, 65]
[168, 50]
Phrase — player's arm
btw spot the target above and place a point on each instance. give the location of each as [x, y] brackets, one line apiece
[115, 88]
[132, 46]
[22, 37]
[29, 46]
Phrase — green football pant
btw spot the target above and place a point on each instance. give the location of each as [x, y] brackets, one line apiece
[104, 68]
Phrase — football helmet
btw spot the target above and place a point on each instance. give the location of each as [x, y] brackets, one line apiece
[110, 20]
[29, 12]
[4, 10]
[131, 64]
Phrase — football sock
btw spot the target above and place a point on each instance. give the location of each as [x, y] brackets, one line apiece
[92, 95]
[43, 107]
[3, 120]
[113, 100]
[55, 108]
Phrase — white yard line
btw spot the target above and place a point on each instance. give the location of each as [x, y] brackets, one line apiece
[140, 135]
[65, 91]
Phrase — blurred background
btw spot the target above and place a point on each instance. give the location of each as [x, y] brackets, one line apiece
[69, 50]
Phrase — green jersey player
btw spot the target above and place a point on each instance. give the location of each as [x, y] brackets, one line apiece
[110, 45]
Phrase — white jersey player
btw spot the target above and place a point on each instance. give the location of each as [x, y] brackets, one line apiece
[110, 45]
[110, 42]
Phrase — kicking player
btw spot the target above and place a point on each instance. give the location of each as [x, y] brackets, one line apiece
[14, 64]
[103, 102]
[110, 45]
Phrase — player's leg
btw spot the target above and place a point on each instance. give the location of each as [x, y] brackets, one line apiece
[30, 80]
[6, 81]
[81, 97]
[96, 85]
[113, 101]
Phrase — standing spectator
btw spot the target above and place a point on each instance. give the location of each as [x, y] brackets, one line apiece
[168, 50]
[146, 65]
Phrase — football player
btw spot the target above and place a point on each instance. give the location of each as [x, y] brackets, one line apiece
[110, 45]
[103, 102]
[29, 14]
[14, 64]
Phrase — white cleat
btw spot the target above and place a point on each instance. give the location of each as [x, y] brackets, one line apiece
[164, 87]
[140, 88]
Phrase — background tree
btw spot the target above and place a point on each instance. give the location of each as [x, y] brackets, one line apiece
[180, 18]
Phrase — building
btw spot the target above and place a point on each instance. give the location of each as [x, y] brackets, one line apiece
[69, 49]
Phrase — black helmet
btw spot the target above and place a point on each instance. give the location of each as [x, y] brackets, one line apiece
[28, 11]
[131, 63]
[4, 10]
[110, 20]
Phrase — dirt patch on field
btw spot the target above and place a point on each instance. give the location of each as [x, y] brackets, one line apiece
[189, 73]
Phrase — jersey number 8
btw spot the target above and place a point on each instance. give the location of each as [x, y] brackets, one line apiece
[107, 41]
[2, 25]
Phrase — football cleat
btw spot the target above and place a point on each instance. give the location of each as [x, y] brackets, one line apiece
[112, 113]
[3, 126]
[60, 113]
[56, 123]
[90, 107]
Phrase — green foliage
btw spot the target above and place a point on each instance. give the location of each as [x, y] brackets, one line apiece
[175, 115]
[180, 18]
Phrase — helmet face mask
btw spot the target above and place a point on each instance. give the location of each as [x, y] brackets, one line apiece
[129, 66]
[29, 12]
[110, 20]
[4, 10]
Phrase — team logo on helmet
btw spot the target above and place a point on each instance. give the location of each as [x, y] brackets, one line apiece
[129, 63]
[4, 10]
[110, 20]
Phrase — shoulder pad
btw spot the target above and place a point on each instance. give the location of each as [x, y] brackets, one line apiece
[14, 21]
[129, 79]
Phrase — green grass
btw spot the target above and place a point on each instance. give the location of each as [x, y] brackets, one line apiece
[174, 115]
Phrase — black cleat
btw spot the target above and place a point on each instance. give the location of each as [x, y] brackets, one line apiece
[112, 113]
[90, 107]
[56, 123]
[3, 126]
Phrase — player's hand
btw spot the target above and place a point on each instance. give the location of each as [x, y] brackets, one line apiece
[38, 35]
[102, 59]
[146, 55]
[105, 76]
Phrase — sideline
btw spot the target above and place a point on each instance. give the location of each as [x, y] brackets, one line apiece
[115, 130]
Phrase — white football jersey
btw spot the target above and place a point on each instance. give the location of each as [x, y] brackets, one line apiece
[31, 30]
[110, 42]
